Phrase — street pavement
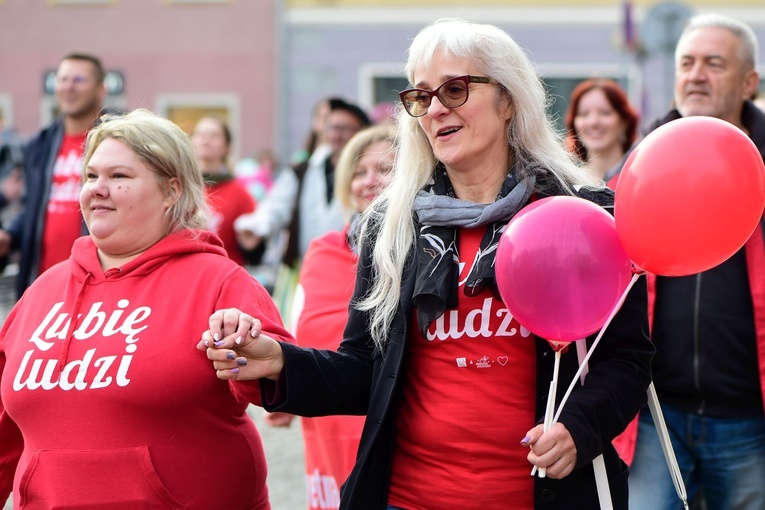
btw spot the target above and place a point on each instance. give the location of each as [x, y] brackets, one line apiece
[284, 454]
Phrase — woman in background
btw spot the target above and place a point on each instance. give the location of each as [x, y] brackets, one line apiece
[226, 196]
[601, 126]
[323, 295]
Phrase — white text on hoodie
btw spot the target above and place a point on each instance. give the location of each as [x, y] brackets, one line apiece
[55, 327]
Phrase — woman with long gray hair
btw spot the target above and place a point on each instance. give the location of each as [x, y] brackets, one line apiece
[453, 387]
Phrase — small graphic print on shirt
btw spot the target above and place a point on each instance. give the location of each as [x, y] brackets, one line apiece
[482, 362]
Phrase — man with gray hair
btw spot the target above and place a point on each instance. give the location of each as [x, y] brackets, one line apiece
[709, 328]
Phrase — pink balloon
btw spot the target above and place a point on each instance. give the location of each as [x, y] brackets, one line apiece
[561, 268]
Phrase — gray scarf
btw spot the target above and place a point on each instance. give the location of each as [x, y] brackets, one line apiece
[439, 214]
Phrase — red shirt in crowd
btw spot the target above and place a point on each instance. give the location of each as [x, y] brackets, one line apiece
[227, 201]
[63, 219]
[469, 397]
[327, 278]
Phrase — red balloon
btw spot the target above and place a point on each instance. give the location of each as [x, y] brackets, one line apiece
[560, 268]
[689, 196]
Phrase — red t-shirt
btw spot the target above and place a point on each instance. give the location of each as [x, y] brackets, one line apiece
[327, 278]
[228, 200]
[63, 218]
[468, 399]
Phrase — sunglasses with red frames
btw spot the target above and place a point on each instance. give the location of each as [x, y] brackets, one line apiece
[452, 94]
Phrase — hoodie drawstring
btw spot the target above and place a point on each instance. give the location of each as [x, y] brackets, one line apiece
[73, 323]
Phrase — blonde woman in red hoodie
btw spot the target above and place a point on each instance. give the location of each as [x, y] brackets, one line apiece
[105, 402]
[320, 311]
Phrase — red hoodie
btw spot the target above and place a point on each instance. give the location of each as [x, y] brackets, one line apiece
[327, 277]
[126, 412]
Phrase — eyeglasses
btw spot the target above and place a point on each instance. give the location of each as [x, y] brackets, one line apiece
[452, 94]
[342, 128]
[76, 79]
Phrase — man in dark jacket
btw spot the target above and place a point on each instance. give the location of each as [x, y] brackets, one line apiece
[709, 328]
[50, 220]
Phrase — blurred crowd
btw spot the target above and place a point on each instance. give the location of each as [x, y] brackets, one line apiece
[264, 210]
[433, 180]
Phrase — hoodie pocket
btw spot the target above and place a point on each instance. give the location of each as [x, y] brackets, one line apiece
[87, 479]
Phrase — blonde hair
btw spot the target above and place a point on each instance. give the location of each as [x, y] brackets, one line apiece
[352, 151]
[533, 143]
[167, 151]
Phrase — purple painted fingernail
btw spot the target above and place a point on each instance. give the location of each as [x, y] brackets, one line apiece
[219, 343]
[235, 370]
[526, 439]
[207, 344]
[230, 355]
[241, 362]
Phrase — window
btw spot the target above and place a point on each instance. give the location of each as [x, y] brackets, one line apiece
[6, 111]
[186, 109]
[560, 79]
[380, 83]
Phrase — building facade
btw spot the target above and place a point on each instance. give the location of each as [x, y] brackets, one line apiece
[357, 48]
[264, 64]
[180, 58]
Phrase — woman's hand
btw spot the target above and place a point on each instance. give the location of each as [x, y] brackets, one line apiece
[553, 450]
[278, 419]
[238, 349]
[248, 240]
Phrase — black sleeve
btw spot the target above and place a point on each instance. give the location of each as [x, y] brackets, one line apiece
[324, 382]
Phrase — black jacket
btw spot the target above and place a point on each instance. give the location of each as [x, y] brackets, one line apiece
[704, 326]
[359, 379]
[27, 228]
